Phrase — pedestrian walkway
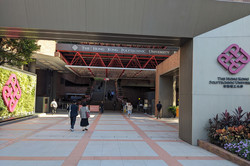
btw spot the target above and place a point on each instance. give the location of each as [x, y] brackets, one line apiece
[112, 140]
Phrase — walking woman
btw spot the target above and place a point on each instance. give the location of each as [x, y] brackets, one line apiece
[84, 114]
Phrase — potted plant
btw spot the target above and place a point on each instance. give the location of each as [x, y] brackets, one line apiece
[172, 109]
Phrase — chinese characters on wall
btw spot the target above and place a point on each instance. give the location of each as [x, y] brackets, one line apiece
[231, 82]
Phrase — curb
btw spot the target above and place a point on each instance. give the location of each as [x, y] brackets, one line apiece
[222, 153]
[18, 120]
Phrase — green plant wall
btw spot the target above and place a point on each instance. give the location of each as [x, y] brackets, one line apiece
[26, 103]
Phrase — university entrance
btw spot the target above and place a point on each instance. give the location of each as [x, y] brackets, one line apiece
[112, 73]
[98, 49]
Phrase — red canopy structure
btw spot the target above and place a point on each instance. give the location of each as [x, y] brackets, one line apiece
[111, 62]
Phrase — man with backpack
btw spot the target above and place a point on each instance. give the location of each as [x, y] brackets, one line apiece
[158, 106]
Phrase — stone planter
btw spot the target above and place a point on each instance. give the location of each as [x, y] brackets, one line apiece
[223, 153]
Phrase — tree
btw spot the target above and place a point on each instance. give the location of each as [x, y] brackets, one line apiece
[17, 52]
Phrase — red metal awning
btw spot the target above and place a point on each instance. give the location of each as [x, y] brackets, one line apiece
[111, 64]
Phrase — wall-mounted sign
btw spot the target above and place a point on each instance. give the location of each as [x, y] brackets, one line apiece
[231, 82]
[233, 59]
[115, 50]
[11, 93]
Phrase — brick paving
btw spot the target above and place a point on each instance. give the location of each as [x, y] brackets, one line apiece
[112, 139]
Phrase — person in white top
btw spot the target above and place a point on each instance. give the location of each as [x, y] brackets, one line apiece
[53, 105]
[129, 109]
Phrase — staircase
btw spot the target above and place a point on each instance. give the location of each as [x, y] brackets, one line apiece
[89, 91]
[100, 93]
[119, 91]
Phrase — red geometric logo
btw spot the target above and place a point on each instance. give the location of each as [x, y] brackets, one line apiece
[234, 59]
[11, 93]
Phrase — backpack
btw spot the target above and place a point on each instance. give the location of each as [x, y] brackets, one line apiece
[158, 106]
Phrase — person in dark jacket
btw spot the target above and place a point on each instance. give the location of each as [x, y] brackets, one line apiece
[114, 105]
[73, 108]
[101, 107]
[158, 106]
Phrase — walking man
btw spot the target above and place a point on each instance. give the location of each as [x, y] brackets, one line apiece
[53, 105]
[159, 106]
[73, 108]
[114, 105]
[102, 107]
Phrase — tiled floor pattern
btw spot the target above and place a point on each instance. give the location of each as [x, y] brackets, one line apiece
[112, 139]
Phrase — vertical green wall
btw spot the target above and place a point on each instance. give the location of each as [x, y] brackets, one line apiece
[26, 103]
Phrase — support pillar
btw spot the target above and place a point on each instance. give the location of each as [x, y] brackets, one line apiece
[54, 84]
[32, 67]
[166, 94]
[185, 95]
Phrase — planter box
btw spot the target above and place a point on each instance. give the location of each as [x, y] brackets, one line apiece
[223, 153]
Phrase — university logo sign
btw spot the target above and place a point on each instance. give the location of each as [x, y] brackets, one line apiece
[233, 59]
[11, 93]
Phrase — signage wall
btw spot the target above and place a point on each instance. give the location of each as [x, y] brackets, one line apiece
[18, 92]
[221, 73]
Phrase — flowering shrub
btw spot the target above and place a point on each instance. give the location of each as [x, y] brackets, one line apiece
[227, 128]
[242, 148]
[232, 134]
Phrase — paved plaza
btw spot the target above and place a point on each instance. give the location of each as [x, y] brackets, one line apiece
[112, 140]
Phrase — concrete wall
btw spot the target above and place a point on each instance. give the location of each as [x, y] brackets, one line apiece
[138, 83]
[41, 83]
[62, 89]
[163, 93]
[74, 78]
[133, 93]
[80, 89]
[47, 47]
[60, 85]
[210, 99]
[139, 17]
[49, 84]
[201, 100]
[166, 94]
[151, 102]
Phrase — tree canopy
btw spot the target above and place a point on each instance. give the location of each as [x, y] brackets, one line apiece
[17, 52]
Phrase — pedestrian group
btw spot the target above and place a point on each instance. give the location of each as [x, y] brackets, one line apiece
[84, 114]
[81, 108]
